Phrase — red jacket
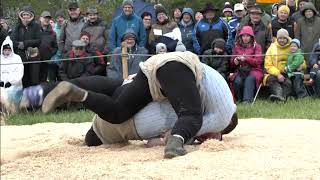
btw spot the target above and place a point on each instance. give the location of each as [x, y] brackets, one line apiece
[255, 62]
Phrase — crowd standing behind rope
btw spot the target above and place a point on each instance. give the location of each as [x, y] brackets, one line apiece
[246, 45]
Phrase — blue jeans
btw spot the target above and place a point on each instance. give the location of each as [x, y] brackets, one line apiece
[245, 88]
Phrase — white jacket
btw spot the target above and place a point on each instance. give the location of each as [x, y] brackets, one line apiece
[11, 67]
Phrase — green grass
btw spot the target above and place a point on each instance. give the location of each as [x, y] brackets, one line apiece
[308, 108]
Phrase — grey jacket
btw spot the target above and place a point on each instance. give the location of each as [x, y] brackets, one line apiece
[114, 70]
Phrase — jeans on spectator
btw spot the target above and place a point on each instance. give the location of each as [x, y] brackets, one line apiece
[245, 88]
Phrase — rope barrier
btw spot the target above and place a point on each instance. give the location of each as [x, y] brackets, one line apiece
[144, 55]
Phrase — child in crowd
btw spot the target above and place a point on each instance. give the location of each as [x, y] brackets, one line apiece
[293, 69]
[161, 48]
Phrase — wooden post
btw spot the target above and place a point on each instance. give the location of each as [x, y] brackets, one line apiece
[124, 55]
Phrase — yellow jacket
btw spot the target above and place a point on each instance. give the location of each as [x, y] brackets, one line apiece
[276, 59]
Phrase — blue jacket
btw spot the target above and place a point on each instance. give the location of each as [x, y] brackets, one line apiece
[234, 24]
[205, 33]
[313, 56]
[187, 30]
[119, 26]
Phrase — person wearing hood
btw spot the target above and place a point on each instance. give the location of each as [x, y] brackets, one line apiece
[161, 48]
[27, 35]
[246, 63]
[298, 14]
[274, 10]
[275, 61]
[307, 29]
[164, 31]
[186, 26]
[48, 46]
[294, 71]
[11, 68]
[97, 29]
[210, 28]
[314, 65]
[114, 70]
[219, 63]
[71, 29]
[262, 29]
[127, 20]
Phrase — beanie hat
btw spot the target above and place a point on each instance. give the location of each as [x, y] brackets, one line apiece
[7, 46]
[219, 43]
[283, 33]
[180, 47]
[59, 13]
[227, 7]
[284, 8]
[129, 34]
[78, 43]
[296, 41]
[160, 46]
[160, 9]
[127, 2]
[92, 10]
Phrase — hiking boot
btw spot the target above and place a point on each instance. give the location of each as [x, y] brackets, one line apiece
[174, 147]
[274, 97]
[64, 92]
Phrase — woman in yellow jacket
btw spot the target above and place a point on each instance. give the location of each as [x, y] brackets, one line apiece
[275, 61]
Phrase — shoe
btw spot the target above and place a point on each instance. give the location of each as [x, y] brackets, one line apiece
[273, 97]
[63, 93]
[174, 148]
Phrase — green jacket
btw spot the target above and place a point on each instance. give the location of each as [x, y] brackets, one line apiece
[295, 60]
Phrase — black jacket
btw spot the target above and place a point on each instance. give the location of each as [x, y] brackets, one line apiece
[48, 46]
[220, 64]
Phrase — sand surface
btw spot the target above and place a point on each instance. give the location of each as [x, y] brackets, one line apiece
[257, 149]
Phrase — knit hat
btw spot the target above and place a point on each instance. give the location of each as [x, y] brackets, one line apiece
[227, 7]
[283, 33]
[160, 9]
[129, 34]
[6, 46]
[219, 43]
[160, 46]
[296, 41]
[59, 13]
[127, 2]
[284, 8]
[180, 47]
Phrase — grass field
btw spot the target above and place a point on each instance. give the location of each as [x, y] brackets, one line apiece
[308, 108]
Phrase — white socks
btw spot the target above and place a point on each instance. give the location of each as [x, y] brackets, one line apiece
[85, 96]
[177, 135]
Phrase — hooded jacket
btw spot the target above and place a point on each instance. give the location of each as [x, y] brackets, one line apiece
[48, 46]
[294, 61]
[252, 61]
[307, 30]
[187, 30]
[12, 73]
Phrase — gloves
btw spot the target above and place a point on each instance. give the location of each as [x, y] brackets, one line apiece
[8, 84]
[1, 84]
[20, 45]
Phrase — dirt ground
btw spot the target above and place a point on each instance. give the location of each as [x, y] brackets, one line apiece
[257, 149]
